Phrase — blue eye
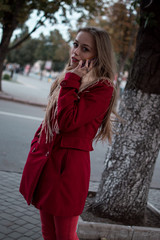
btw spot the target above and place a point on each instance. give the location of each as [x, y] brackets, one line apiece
[85, 49]
[75, 45]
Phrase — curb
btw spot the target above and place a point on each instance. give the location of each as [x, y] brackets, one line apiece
[153, 209]
[96, 231]
[7, 97]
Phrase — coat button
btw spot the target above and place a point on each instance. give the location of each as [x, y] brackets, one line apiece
[47, 153]
[63, 83]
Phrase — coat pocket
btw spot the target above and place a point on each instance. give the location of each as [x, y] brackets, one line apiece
[84, 144]
[32, 170]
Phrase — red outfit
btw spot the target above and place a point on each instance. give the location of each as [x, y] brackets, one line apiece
[61, 188]
[58, 228]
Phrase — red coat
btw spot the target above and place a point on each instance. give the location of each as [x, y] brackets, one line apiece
[61, 187]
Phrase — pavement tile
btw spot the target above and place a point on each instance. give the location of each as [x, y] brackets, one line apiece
[20, 221]
[2, 235]
[34, 221]
[16, 217]
[17, 214]
[30, 213]
[26, 218]
[29, 233]
[7, 238]
[15, 235]
[5, 222]
[5, 203]
[37, 228]
[2, 196]
[14, 226]
[29, 226]
[4, 230]
[36, 236]
[19, 208]
[23, 238]
[36, 216]
[22, 230]
[9, 210]
[8, 216]
[3, 207]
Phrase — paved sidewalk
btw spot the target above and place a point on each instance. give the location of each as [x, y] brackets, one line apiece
[20, 221]
[17, 220]
[26, 89]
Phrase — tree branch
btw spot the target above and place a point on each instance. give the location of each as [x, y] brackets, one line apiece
[151, 1]
[38, 24]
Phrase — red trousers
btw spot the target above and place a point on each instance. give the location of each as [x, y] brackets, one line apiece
[58, 228]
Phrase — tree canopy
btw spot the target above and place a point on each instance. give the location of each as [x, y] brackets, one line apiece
[52, 47]
[119, 19]
[14, 13]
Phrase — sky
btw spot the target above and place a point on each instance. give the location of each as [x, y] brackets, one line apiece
[48, 27]
[62, 27]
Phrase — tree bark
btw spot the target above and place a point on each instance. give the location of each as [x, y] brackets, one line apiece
[124, 187]
[123, 191]
[10, 23]
[7, 33]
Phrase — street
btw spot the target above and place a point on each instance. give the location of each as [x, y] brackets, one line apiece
[18, 125]
[16, 133]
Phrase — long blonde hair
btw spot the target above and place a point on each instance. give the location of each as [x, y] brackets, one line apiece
[103, 69]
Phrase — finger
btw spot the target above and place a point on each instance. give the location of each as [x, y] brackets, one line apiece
[91, 65]
[80, 63]
[87, 63]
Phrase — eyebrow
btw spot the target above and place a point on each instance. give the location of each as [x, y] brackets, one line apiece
[83, 44]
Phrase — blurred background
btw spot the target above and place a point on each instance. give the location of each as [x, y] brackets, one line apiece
[38, 34]
[35, 41]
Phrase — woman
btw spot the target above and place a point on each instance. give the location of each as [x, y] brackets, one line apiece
[56, 175]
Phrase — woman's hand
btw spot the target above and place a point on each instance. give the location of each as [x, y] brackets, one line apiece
[81, 69]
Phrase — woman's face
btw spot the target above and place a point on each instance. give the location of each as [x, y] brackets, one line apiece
[83, 48]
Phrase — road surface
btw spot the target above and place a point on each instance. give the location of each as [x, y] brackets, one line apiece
[18, 125]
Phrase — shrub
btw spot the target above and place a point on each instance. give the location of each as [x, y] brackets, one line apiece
[6, 77]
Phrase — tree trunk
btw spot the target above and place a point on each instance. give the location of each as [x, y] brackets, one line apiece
[3, 52]
[9, 24]
[124, 187]
[130, 162]
[7, 34]
[1, 70]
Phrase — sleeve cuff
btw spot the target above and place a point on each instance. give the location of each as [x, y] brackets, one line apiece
[71, 80]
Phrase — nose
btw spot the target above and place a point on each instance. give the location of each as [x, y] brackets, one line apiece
[76, 50]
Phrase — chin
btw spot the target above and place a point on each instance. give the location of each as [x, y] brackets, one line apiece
[74, 64]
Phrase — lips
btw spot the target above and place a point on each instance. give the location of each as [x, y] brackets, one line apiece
[74, 59]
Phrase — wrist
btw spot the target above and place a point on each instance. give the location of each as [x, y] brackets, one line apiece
[72, 76]
[78, 73]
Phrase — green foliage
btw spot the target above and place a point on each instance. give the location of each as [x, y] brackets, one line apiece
[150, 20]
[52, 47]
[14, 14]
[135, 3]
[24, 54]
[119, 20]
[6, 77]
